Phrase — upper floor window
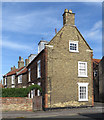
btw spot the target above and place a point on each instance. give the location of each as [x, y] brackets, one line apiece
[5, 81]
[13, 79]
[83, 91]
[29, 75]
[39, 69]
[73, 46]
[20, 79]
[82, 69]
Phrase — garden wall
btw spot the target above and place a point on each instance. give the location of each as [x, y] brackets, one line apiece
[17, 104]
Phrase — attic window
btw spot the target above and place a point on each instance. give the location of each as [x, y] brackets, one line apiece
[73, 46]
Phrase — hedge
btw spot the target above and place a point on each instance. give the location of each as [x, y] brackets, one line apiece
[18, 92]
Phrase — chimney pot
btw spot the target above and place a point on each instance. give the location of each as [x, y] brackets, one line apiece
[11, 68]
[19, 58]
[70, 11]
[26, 62]
[20, 62]
[66, 10]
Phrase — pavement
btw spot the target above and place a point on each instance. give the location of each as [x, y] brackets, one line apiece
[93, 113]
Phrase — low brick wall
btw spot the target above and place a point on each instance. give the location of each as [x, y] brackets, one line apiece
[17, 104]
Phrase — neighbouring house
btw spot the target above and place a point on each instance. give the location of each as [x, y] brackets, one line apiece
[101, 80]
[21, 78]
[17, 77]
[63, 68]
[96, 79]
[9, 78]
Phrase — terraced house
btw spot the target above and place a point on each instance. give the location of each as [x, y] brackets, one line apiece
[17, 77]
[64, 68]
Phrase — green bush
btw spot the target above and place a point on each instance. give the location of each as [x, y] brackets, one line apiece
[18, 92]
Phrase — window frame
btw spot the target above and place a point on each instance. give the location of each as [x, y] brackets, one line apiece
[5, 81]
[13, 79]
[73, 42]
[95, 73]
[19, 79]
[79, 75]
[83, 85]
[39, 69]
[29, 75]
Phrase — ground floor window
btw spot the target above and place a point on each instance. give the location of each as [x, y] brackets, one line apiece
[83, 91]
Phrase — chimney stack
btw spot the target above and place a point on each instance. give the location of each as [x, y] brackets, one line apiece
[19, 58]
[13, 68]
[20, 62]
[26, 62]
[68, 17]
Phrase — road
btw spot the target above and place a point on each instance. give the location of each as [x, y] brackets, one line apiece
[93, 113]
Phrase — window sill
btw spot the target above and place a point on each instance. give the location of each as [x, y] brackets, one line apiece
[38, 77]
[73, 51]
[82, 76]
[86, 100]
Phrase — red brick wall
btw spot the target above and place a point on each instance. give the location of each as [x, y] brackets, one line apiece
[33, 66]
[17, 104]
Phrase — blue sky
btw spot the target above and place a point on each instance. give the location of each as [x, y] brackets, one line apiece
[25, 24]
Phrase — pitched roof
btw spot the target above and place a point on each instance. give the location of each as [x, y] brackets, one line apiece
[13, 72]
[96, 60]
[83, 38]
[23, 71]
[76, 29]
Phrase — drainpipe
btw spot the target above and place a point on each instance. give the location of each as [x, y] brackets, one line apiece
[46, 83]
[92, 79]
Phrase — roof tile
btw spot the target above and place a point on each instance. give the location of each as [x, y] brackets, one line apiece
[14, 71]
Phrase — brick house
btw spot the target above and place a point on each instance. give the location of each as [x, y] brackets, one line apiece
[98, 75]
[64, 68]
[101, 80]
[96, 79]
[17, 77]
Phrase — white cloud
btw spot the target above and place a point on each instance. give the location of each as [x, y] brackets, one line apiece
[30, 23]
[13, 45]
[97, 26]
[95, 33]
